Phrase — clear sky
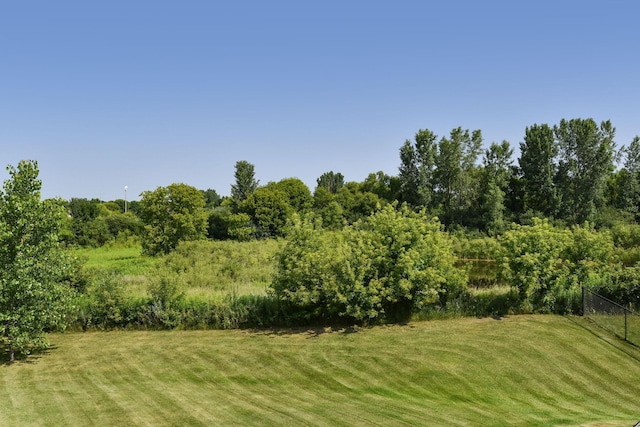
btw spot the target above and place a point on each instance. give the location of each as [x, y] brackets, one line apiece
[146, 93]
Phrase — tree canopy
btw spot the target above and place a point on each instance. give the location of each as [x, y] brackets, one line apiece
[170, 215]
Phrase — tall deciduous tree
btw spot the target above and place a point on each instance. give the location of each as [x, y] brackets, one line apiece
[212, 198]
[496, 176]
[170, 215]
[417, 168]
[33, 297]
[269, 210]
[245, 184]
[586, 153]
[297, 193]
[455, 171]
[357, 203]
[538, 167]
[627, 180]
[331, 181]
[384, 186]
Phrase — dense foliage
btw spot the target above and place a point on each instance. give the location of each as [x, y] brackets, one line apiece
[384, 266]
[170, 215]
[34, 295]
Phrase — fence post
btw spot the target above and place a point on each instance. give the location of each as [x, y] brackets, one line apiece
[625, 324]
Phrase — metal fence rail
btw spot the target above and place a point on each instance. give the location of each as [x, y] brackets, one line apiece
[611, 316]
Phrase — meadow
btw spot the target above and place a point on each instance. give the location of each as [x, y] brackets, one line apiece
[202, 268]
[211, 270]
[533, 370]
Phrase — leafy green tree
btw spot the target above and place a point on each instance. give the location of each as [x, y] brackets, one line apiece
[331, 181]
[625, 189]
[591, 255]
[496, 176]
[94, 223]
[382, 185]
[547, 264]
[170, 215]
[212, 198]
[538, 167]
[126, 224]
[269, 210]
[587, 153]
[331, 212]
[239, 227]
[218, 223]
[83, 209]
[455, 175]
[108, 208]
[33, 295]
[119, 205]
[245, 183]
[133, 207]
[297, 193]
[321, 198]
[356, 203]
[333, 216]
[417, 169]
[92, 233]
[87, 227]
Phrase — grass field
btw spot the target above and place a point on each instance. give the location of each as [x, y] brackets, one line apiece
[206, 268]
[520, 370]
[123, 260]
[616, 325]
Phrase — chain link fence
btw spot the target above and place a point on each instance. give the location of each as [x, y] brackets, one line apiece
[611, 316]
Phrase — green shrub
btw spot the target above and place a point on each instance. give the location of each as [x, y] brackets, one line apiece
[623, 288]
[166, 292]
[383, 267]
[102, 304]
[239, 227]
[476, 247]
[626, 235]
[547, 265]
[532, 261]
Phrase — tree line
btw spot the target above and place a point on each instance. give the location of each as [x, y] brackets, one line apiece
[565, 172]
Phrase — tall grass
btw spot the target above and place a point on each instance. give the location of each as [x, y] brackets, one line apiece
[221, 267]
[203, 284]
[124, 260]
[204, 268]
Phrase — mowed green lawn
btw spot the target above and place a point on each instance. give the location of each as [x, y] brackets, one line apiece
[520, 370]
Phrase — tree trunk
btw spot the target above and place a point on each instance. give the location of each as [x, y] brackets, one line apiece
[11, 354]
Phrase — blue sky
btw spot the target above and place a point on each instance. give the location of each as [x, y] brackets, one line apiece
[142, 93]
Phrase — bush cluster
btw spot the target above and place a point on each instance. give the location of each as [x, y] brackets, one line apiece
[547, 265]
[383, 267]
[391, 266]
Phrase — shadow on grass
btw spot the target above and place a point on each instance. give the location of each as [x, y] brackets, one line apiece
[24, 359]
[627, 347]
[310, 332]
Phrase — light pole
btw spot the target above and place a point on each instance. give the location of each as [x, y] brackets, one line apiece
[125, 199]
